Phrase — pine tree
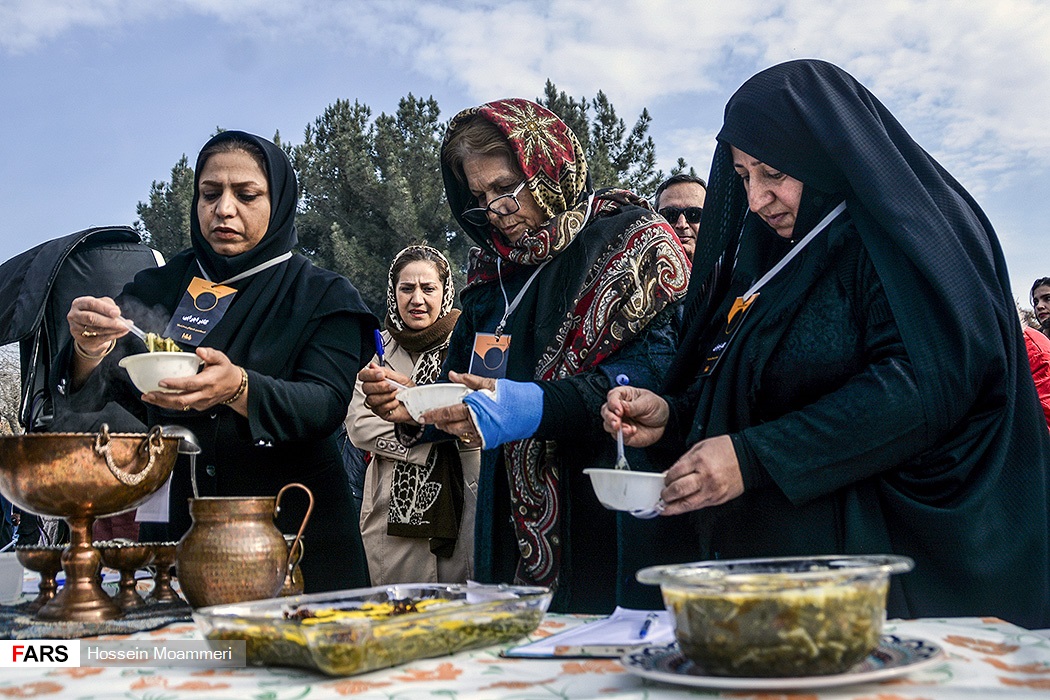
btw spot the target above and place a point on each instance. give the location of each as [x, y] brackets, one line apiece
[369, 187]
[164, 221]
[616, 157]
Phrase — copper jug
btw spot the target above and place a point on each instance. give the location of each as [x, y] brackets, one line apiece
[233, 550]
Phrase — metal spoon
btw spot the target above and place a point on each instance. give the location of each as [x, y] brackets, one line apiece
[188, 445]
[622, 380]
[621, 462]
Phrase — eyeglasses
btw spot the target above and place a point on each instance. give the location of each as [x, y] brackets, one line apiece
[504, 205]
[692, 214]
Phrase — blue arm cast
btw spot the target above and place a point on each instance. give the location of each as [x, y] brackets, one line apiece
[512, 413]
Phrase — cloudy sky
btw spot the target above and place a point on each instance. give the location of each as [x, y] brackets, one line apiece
[98, 98]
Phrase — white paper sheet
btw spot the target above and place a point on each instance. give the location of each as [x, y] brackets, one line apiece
[611, 637]
[155, 510]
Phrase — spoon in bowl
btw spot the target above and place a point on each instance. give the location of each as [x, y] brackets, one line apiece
[621, 463]
[621, 459]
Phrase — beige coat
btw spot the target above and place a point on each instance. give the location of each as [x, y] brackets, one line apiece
[393, 559]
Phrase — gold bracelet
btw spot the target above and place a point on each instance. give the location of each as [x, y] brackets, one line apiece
[240, 389]
[94, 358]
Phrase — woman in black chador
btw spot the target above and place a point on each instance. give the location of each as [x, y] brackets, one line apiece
[281, 342]
[852, 378]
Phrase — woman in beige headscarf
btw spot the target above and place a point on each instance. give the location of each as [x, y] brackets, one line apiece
[417, 515]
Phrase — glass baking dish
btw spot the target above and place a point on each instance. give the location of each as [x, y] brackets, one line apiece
[342, 633]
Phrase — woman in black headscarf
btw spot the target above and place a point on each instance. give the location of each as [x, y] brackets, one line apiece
[281, 342]
[870, 394]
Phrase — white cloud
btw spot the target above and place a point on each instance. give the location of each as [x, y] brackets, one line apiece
[26, 24]
[971, 81]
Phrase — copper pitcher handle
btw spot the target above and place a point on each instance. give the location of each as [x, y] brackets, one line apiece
[302, 526]
[152, 446]
[295, 556]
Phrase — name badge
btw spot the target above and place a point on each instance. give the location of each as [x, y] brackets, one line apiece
[489, 358]
[734, 320]
[201, 308]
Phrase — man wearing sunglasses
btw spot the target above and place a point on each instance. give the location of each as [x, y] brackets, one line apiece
[680, 200]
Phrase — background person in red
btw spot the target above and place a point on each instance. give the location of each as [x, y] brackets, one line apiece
[1041, 303]
[1038, 347]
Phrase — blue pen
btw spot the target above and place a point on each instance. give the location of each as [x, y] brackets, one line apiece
[649, 620]
[623, 379]
[380, 350]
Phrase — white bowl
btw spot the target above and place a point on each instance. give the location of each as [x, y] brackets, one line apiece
[622, 489]
[10, 578]
[420, 399]
[148, 368]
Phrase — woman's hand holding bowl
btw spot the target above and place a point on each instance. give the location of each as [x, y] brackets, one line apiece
[642, 414]
[707, 475]
[456, 419]
[381, 395]
[218, 382]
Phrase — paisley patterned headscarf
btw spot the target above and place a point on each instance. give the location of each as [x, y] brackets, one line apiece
[634, 268]
[432, 341]
[552, 160]
[426, 500]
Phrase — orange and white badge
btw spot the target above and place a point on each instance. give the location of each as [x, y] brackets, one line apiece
[734, 319]
[200, 310]
[489, 358]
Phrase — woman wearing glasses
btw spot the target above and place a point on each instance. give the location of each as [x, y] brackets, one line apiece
[567, 288]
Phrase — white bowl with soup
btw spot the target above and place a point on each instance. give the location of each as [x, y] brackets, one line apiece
[147, 369]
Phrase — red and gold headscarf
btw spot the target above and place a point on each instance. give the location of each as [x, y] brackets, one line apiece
[639, 270]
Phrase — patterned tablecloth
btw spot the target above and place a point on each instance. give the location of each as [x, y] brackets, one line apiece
[986, 658]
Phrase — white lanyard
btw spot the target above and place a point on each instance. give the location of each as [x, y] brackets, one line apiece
[796, 249]
[509, 306]
[251, 271]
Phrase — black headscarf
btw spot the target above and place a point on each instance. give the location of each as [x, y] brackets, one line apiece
[275, 310]
[971, 501]
[280, 235]
[930, 242]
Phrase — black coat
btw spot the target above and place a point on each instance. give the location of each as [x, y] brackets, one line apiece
[878, 392]
[301, 333]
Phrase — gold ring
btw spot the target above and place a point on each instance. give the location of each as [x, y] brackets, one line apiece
[185, 408]
[88, 334]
